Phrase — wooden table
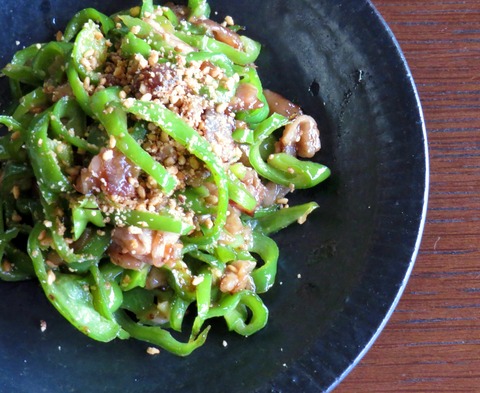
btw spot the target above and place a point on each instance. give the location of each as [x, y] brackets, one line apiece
[432, 342]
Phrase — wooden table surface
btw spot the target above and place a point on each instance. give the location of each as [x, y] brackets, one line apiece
[432, 341]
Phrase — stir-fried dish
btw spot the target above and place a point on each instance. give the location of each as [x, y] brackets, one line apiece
[144, 169]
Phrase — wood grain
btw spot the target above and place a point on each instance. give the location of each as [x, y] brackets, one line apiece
[432, 342]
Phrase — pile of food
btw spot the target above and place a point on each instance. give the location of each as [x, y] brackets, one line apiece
[143, 171]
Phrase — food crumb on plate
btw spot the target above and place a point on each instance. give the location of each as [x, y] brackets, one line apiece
[153, 351]
[225, 344]
[43, 325]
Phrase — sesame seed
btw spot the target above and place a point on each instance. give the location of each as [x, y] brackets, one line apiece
[16, 191]
[197, 280]
[112, 142]
[135, 29]
[51, 277]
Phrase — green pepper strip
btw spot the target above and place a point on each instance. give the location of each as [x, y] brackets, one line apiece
[13, 273]
[20, 68]
[71, 114]
[68, 295]
[66, 107]
[33, 100]
[2, 222]
[49, 175]
[48, 52]
[51, 60]
[269, 125]
[144, 30]
[175, 127]
[264, 276]
[225, 253]
[147, 32]
[195, 200]
[177, 312]
[85, 210]
[203, 297]
[262, 132]
[24, 74]
[132, 45]
[147, 8]
[82, 17]
[162, 221]
[14, 174]
[229, 306]
[11, 149]
[239, 194]
[199, 8]
[134, 278]
[208, 259]
[87, 40]
[16, 92]
[305, 174]
[180, 279]
[104, 300]
[236, 320]
[110, 271]
[218, 59]
[26, 56]
[138, 300]
[274, 221]
[92, 251]
[78, 89]
[161, 337]
[21, 268]
[243, 135]
[107, 108]
[170, 15]
[250, 52]
[250, 75]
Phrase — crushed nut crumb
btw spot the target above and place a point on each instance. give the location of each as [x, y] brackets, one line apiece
[153, 351]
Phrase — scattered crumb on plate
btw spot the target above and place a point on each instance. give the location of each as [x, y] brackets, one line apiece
[153, 351]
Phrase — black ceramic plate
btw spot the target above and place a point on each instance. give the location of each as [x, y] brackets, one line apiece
[341, 274]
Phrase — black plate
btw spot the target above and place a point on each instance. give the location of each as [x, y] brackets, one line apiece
[341, 273]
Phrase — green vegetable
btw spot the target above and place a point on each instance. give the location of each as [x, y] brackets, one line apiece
[70, 296]
[176, 127]
[187, 245]
[199, 8]
[84, 16]
[106, 107]
[161, 337]
[283, 168]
